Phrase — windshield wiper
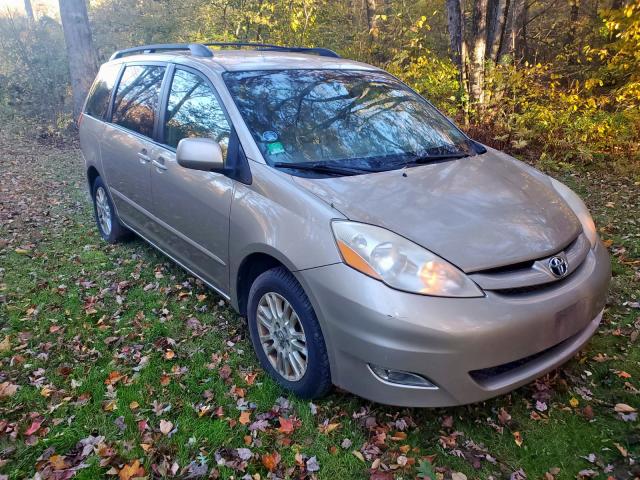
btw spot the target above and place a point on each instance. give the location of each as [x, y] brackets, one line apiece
[322, 168]
[439, 156]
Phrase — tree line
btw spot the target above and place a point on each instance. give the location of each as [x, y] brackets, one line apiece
[545, 76]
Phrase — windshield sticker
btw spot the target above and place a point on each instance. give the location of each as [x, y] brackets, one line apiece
[270, 136]
[275, 148]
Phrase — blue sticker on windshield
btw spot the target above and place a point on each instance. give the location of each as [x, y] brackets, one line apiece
[269, 136]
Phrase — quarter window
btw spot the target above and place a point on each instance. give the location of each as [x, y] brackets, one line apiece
[98, 99]
[137, 97]
[193, 110]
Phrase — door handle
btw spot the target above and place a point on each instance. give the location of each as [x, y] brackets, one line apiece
[159, 163]
[142, 155]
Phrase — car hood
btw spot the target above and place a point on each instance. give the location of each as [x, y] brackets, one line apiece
[478, 212]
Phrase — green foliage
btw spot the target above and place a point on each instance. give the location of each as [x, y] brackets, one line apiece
[33, 70]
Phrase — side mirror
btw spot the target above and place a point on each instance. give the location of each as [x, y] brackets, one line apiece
[200, 154]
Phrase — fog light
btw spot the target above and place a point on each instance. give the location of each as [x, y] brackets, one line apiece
[401, 377]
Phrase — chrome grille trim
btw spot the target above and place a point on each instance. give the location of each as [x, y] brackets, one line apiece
[537, 273]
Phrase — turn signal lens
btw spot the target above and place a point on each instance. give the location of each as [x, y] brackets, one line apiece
[398, 262]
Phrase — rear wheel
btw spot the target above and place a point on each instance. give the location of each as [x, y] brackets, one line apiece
[109, 226]
[286, 334]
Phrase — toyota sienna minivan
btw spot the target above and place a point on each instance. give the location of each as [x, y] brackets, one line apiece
[368, 241]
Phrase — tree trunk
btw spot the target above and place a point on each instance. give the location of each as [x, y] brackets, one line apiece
[29, 11]
[514, 27]
[574, 15]
[83, 61]
[478, 52]
[372, 21]
[455, 26]
[498, 12]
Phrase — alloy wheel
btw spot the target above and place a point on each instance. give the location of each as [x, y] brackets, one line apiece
[103, 211]
[282, 336]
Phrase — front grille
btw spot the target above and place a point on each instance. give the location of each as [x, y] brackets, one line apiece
[532, 276]
[541, 288]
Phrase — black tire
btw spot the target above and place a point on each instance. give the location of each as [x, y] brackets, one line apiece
[316, 380]
[117, 232]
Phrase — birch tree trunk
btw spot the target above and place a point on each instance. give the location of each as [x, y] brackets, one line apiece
[478, 52]
[83, 61]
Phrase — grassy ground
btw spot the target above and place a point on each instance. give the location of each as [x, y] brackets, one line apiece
[114, 361]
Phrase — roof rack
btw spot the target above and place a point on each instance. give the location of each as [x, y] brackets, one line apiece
[202, 50]
[323, 52]
[196, 49]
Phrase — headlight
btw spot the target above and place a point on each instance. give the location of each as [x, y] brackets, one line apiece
[579, 208]
[398, 262]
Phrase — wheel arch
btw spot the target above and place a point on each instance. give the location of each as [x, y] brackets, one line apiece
[252, 266]
[92, 174]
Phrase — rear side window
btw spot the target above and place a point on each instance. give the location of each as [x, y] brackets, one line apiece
[193, 110]
[136, 104]
[98, 98]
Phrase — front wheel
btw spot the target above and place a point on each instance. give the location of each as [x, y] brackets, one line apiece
[109, 226]
[286, 334]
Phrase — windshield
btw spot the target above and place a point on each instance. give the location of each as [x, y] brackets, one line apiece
[341, 116]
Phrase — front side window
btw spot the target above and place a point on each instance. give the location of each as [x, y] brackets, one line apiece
[340, 116]
[137, 98]
[100, 94]
[193, 110]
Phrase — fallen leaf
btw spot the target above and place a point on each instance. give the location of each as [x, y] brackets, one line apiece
[286, 425]
[327, 428]
[58, 462]
[504, 417]
[517, 436]
[623, 408]
[7, 389]
[113, 378]
[35, 426]
[621, 449]
[165, 427]
[313, 465]
[358, 455]
[131, 470]
[134, 405]
[458, 476]
[271, 460]
[245, 417]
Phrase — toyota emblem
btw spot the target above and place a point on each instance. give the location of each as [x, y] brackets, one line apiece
[558, 266]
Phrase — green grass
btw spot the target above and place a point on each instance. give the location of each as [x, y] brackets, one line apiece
[68, 328]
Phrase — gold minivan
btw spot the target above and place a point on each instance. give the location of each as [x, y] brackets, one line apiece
[368, 241]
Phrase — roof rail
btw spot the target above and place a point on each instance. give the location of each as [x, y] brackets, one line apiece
[196, 49]
[323, 52]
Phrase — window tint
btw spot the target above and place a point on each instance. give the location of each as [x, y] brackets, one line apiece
[193, 111]
[98, 99]
[137, 98]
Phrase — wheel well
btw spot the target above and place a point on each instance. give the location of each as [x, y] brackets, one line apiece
[92, 174]
[251, 267]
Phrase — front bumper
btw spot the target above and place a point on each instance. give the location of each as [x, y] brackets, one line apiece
[471, 348]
